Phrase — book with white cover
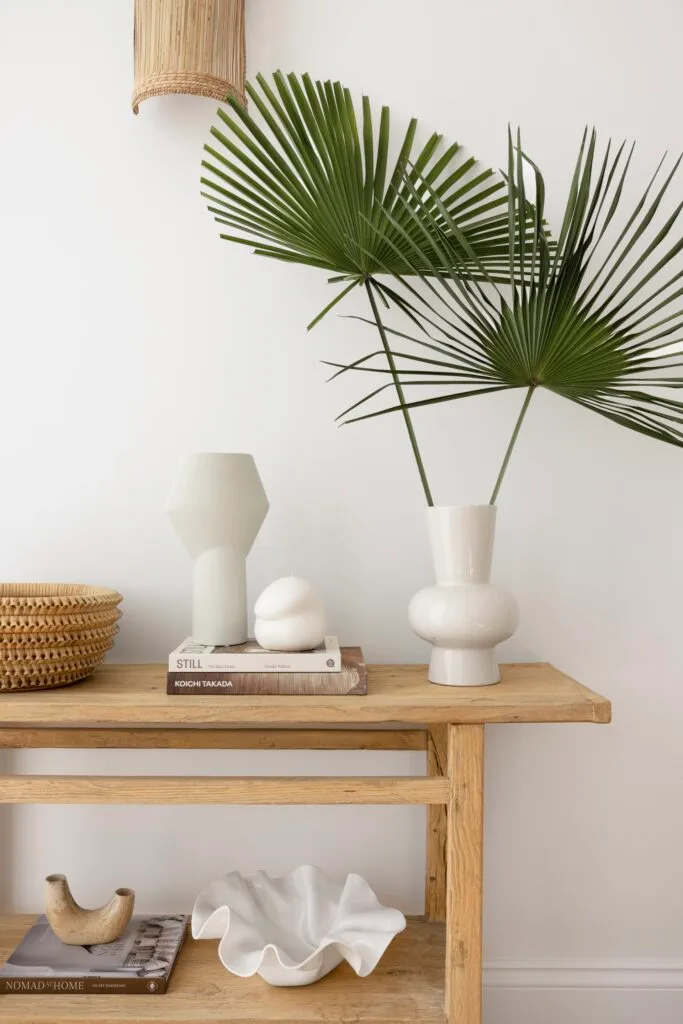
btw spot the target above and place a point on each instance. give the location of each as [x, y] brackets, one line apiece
[191, 656]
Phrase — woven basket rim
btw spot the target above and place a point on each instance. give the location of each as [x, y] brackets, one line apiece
[94, 616]
[58, 596]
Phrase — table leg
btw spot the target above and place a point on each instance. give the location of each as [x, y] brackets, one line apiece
[6, 813]
[464, 857]
[435, 885]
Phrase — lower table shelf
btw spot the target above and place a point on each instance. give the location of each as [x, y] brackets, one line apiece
[407, 986]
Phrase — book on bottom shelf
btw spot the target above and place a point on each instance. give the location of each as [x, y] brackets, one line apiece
[192, 656]
[352, 680]
[139, 962]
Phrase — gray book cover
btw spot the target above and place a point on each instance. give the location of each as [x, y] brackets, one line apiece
[140, 961]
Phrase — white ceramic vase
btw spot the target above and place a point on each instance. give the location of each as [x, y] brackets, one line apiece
[217, 505]
[294, 930]
[463, 616]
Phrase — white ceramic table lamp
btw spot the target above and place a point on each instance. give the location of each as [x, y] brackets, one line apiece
[217, 505]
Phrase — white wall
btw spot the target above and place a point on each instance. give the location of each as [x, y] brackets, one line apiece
[131, 333]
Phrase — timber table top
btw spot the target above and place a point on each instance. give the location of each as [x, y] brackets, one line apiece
[129, 696]
[407, 987]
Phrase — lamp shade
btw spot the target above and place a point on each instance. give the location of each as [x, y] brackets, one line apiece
[189, 46]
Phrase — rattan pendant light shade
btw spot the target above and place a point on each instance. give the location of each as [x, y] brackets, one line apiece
[189, 46]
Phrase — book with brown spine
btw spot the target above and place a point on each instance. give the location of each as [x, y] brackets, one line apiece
[139, 962]
[352, 680]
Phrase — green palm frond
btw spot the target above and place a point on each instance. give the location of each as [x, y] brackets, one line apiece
[593, 320]
[309, 180]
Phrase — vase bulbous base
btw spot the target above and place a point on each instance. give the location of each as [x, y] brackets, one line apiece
[450, 666]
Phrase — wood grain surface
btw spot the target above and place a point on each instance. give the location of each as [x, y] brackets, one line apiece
[178, 738]
[161, 789]
[134, 695]
[406, 988]
[464, 866]
[437, 816]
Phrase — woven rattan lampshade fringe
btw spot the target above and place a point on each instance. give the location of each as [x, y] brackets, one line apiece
[189, 46]
[188, 83]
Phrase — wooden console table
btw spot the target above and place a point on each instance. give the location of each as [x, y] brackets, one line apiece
[126, 706]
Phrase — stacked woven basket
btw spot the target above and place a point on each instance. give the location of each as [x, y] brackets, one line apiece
[53, 634]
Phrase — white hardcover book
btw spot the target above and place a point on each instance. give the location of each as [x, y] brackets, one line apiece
[191, 656]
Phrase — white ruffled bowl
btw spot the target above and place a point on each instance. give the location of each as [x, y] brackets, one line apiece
[294, 930]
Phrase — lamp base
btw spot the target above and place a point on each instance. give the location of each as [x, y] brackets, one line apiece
[219, 611]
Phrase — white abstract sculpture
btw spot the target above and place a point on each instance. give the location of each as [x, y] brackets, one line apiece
[294, 930]
[289, 616]
[217, 505]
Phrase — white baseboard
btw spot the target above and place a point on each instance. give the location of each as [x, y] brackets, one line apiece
[583, 992]
[584, 974]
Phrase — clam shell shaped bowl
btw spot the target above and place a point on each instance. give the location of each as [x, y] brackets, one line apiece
[294, 930]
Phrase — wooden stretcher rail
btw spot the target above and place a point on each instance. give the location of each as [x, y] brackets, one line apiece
[216, 739]
[129, 789]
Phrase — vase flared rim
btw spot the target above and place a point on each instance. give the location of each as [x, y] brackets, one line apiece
[219, 455]
[458, 508]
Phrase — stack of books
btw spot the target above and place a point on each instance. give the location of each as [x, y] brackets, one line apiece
[140, 962]
[249, 669]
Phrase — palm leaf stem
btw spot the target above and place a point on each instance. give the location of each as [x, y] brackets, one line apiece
[332, 304]
[513, 439]
[399, 392]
